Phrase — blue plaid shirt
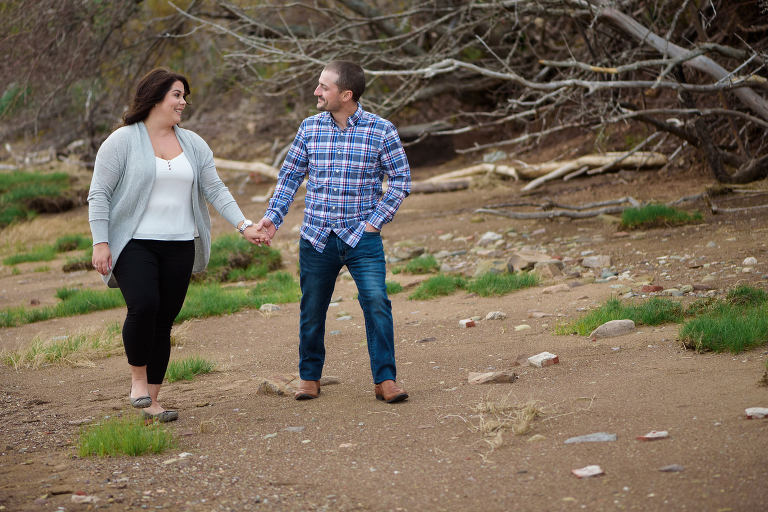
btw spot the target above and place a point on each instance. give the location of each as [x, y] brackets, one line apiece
[344, 171]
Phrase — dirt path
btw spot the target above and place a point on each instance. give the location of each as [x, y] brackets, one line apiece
[347, 451]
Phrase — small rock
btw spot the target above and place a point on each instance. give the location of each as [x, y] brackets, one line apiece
[597, 437]
[294, 429]
[446, 237]
[34, 302]
[525, 260]
[329, 380]
[549, 269]
[506, 376]
[654, 435]
[672, 468]
[467, 322]
[672, 292]
[686, 288]
[426, 340]
[543, 359]
[756, 412]
[536, 437]
[334, 332]
[488, 238]
[588, 471]
[269, 308]
[750, 261]
[79, 498]
[711, 244]
[538, 314]
[522, 327]
[600, 261]
[562, 287]
[613, 328]
[496, 315]
[490, 267]
[747, 270]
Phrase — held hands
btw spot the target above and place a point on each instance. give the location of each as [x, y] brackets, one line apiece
[260, 233]
[102, 258]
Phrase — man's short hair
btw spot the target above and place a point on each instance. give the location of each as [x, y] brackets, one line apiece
[351, 77]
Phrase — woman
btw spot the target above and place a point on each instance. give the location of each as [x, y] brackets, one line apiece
[150, 224]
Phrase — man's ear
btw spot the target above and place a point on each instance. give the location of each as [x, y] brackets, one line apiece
[346, 95]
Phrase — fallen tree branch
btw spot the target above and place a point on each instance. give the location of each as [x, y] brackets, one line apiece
[551, 214]
[258, 167]
[611, 160]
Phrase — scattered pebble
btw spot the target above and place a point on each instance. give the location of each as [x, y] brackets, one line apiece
[653, 435]
[597, 437]
[543, 359]
[588, 471]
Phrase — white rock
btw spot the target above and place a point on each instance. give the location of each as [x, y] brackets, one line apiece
[488, 237]
[588, 471]
[269, 308]
[467, 322]
[543, 359]
[756, 412]
[749, 261]
[597, 437]
[496, 315]
[600, 261]
[522, 327]
[654, 435]
[613, 328]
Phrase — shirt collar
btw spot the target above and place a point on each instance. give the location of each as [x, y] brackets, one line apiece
[351, 120]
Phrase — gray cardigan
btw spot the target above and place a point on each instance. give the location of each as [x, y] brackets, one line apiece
[123, 177]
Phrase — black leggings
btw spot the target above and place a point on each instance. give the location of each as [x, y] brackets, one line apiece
[153, 276]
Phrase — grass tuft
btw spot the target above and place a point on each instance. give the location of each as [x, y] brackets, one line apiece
[19, 188]
[654, 311]
[426, 264]
[393, 287]
[75, 349]
[726, 329]
[656, 215]
[186, 369]
[123, 436]
[73, 302]
[438, 286]
[233, 258]
[492, 284]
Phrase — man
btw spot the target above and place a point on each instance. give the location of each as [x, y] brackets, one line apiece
[344, 152]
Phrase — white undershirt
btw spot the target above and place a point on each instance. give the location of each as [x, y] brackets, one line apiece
[169, 211]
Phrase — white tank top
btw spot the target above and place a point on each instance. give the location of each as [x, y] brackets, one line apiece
[169, 211]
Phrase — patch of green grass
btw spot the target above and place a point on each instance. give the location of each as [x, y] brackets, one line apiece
[205, 300]
[187, 368]
[18, 188]
[745, 295]
[68, 243]
[42, 268]
[438, 286]
[73, 302]
[233, 258]
[40, 253]
[727, 328]
[64, 243]
[72, 349]
[124, 436]
[393, 287]
[426, 264]
[655, 215]
[490, 284]
[654, 311]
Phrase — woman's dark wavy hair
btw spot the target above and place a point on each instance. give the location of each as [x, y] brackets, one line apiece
[150, 91]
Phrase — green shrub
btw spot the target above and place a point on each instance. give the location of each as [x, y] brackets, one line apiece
[233, 258]
[490, 284]
[654, 311]
[438, 286]
[393, 287]
[426, 264]
[187, 368]
[18, 188]
[73, 302]
[68, 243]
[40, 253]
[727, 328]
[124, 436]
[655, 215]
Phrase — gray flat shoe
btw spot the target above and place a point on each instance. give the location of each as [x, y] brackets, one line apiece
[162, 417]
[141, 402]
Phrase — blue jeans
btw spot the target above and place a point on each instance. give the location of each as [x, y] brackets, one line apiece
[318, 273]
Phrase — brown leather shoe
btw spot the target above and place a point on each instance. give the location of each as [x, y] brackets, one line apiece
[307, 389]
[390, 392]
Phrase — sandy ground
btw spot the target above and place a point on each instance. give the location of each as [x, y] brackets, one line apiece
[348, 451]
